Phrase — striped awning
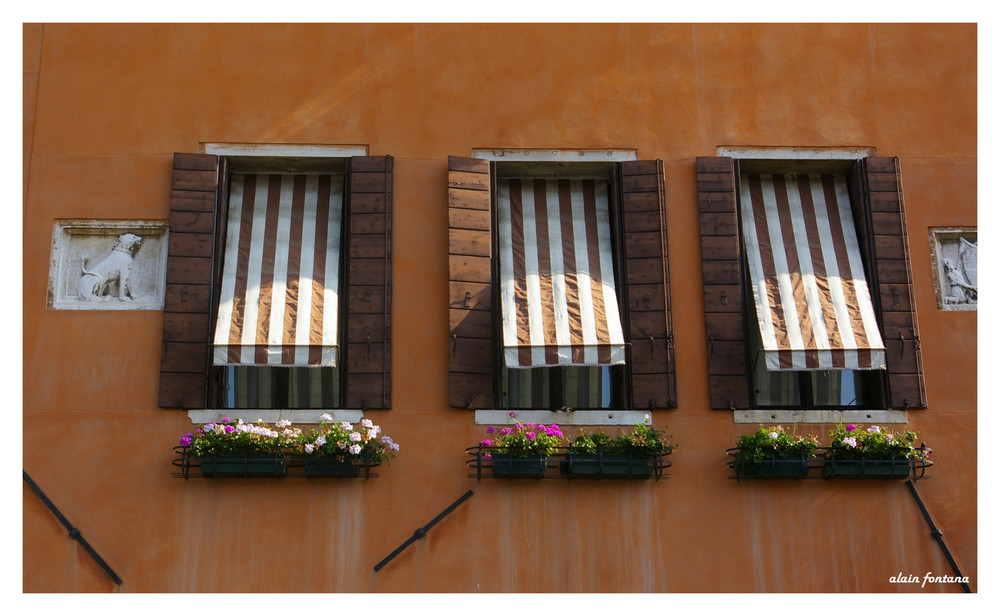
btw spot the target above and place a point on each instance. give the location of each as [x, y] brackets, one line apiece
[813, 304]
[281, 267]
[557, 294]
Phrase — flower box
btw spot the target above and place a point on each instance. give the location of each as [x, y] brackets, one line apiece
[269, 465]
[510, 466]
[775, 467]
[331, 467]
[609, 465]
[867, 468]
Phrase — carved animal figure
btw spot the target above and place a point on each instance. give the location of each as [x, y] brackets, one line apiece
[115, 267]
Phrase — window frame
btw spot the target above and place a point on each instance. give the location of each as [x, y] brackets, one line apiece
[471, 337]
[876, 195]
[199, 200]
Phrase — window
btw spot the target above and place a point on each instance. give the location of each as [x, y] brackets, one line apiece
[557, 269]
[278, 283]
[808, 295]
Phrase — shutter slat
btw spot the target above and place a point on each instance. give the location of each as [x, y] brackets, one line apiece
[188, 291]
[470, 347]
[650, 325]
[893, 278]
[723, 283]
[368, 350]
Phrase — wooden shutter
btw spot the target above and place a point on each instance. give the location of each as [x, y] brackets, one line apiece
[368, 351]
[723, 279]
[650, 330]
[187, 306]
[470, 295]
[877, 196]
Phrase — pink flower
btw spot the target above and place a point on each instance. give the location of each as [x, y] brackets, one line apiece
[490, 430]
[851, 427]
[530, 436]
[486, 443]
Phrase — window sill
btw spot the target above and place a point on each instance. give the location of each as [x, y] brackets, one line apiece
[495, 417]
[296, 416]
[818, 416]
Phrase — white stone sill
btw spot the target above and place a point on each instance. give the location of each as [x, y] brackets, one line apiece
[819, 416]
[499, 417]
[296, 416]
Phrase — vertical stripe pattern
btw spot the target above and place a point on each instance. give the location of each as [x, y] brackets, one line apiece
[813, 304]
[558, 299]
[278, 302]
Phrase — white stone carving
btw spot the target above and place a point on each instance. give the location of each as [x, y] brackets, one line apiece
[954, 251]
[108, 265]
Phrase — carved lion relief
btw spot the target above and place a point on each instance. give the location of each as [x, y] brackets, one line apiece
[108, 265]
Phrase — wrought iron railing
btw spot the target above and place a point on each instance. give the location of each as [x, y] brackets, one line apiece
[564, 464]
[277, 465]
[825, 466]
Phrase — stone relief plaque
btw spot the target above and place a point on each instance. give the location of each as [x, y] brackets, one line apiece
[954, 255]
[108, 265]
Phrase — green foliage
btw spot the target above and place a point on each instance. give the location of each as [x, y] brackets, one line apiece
[643, 442]
[770, 442]
[523, 439]
[226, 438]
[346, 442]
[853, 443]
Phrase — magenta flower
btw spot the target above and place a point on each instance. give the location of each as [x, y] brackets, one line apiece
[512, 414]
[490, 430]
[506, 431]
[186, 439]
[530, 436]
[230, 429]
[486, 443]
[851, 427]
[226, 420]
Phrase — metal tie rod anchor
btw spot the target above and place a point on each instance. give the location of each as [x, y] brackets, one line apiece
[420, 532]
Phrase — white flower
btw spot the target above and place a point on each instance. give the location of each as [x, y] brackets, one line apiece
[320, 440]
[326, 417]
[874, 429]
[395, 447]
[309, 448]
[773, 435]
[355, 436]
[282, 423]
[372, 433]
[850, 440]
[346, 426]
[355, 449]
[367, 423]
[342, 444]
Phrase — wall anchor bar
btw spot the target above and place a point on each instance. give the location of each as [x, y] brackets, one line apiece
[420, 532]
[73, 532]
[937, 534]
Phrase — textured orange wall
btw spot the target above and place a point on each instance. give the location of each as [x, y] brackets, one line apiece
[114, 102]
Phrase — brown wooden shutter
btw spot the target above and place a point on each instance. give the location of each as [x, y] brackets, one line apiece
[650, 330]
[188, 294]
[368, 349]
[469, 281]
[882, 234]
[723, 279]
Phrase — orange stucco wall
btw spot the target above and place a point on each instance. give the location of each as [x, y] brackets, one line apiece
[106, 106]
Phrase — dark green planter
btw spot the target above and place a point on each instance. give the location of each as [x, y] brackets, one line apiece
[506, 465]
[867, 469]
[243, 466]
[774, 468]
[331, 467]
[609, 465]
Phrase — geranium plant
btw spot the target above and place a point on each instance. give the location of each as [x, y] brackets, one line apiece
[853, 442]
[643, 441]
[523, 439]
[226, 438]
[346, 442]
[775, 442]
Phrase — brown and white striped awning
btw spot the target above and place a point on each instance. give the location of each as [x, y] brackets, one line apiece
[557, 294]
[281, 267]
[813, 304]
